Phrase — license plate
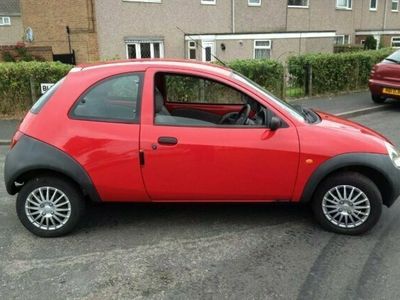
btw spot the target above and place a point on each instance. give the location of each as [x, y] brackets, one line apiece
[391, 91]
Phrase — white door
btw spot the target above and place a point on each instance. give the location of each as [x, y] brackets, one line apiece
[208, 51]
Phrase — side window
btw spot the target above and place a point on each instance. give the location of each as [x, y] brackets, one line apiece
[113, 99]
[188, 89]
[186, 100]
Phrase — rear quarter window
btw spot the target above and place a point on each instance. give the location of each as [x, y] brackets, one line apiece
[46, 97]
[115, 99]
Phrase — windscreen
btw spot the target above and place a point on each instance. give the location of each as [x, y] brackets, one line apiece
[395, 57]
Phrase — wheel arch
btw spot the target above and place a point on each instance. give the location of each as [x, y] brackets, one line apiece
[376, 167]
[31, 157]
[35, 173]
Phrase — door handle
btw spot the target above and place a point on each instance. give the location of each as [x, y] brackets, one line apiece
[167, 140]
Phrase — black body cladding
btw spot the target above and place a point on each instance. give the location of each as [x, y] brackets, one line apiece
[31, 155]
[385, 174]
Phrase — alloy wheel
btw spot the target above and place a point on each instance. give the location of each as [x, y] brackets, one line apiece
[346, 206]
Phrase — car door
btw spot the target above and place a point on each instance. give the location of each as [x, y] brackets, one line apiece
[211, 162]
[104, 136]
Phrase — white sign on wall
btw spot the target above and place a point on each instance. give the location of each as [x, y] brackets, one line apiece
[44, 87]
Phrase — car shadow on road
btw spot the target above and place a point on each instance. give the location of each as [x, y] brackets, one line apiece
[154, 215]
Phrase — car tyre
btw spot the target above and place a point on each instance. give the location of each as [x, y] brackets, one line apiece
[49, 206]
[378, 99]
[343, 195]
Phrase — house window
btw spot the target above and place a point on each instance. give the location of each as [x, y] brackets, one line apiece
[192, 50]
[5, 21]
[396, 42]
[395, 5]
[145, 49]
[254, 2]
[298, 3]
[342, 40]
[373, 5]
[209, 2]
[343, 4]
[262, 49]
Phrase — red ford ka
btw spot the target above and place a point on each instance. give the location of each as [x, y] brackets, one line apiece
[176, 131]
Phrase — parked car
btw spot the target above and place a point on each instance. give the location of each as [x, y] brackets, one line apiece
[384, 81]
[178, 131]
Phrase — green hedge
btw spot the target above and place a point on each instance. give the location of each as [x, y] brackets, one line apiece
[267, 73]
[15, 78]
[335, 72]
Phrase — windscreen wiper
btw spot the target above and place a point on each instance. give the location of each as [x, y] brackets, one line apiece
[393, 60]
[304, 111]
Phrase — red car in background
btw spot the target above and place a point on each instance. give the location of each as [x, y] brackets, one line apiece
[385, 79]
[180, 131]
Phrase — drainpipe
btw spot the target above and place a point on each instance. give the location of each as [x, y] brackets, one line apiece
[384, 16]
[384, 22]
[233, 16]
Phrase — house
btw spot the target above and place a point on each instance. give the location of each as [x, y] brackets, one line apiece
[11, 29]
[229, 29]
[202, 29]
[67, 26]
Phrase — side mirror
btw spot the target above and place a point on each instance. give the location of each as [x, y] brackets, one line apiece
[275, 123]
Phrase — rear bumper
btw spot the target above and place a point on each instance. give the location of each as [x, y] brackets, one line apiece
[376, 87]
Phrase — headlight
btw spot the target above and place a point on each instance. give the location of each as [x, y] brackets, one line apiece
[393, 154]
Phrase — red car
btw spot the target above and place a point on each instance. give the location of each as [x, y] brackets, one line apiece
[177, 131]
[385, 79]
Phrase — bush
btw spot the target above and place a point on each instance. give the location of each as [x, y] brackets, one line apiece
[335, 72]
[347, 48]
[370, 43]
[267, 73]
[15, 78]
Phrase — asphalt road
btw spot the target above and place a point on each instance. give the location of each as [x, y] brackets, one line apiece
[203, 251]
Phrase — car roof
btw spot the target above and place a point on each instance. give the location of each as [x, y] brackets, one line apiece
[148, 63]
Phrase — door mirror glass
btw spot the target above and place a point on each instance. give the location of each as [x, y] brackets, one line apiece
[275, 123]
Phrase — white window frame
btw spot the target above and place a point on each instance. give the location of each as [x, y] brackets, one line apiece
[190, 47]
[348, 6]
[208, 2]
[395, 10]
[138, 50]
[300, 6]
[5, 21]
[376, 5]
[343, 38]
[398, 41]
[144, 1]
[255, 47]
[254, 4]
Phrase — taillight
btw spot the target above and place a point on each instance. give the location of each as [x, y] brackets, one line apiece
[18, 134]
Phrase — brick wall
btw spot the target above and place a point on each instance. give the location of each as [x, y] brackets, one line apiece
[49, 18]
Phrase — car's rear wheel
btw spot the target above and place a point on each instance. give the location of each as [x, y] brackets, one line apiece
[347, 203]
[49, 206]
[378, 99]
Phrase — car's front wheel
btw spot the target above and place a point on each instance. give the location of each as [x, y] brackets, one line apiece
[49, 206]
[378, 99]
[347, 203]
